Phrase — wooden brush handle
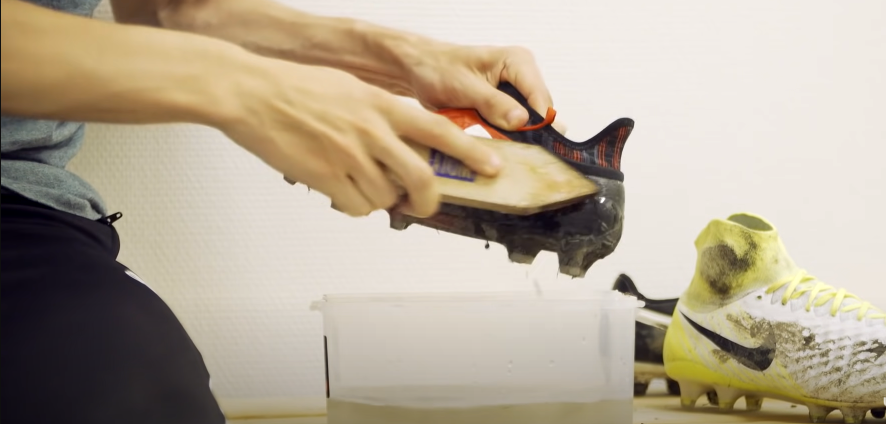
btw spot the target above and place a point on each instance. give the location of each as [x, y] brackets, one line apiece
[533, 180]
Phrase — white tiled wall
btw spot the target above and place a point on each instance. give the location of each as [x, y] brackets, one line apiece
[776, 108]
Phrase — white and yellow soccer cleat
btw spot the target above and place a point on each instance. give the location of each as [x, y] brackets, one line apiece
[754, 325]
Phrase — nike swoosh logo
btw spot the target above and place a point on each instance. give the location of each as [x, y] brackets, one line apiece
[756, 358]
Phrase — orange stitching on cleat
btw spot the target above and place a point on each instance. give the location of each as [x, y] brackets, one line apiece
[602, 148]
[549, 119]
[466, 118]
[619, 145]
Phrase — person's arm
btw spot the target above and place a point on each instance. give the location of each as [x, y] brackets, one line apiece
[375, 54]
[66, 67]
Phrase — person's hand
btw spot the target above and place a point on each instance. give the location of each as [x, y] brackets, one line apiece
[338, 135]
[456, 76]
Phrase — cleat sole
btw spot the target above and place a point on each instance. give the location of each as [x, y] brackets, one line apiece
[580, 234]
[718, 386]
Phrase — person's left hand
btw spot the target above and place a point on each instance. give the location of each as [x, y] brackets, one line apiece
[456, 76]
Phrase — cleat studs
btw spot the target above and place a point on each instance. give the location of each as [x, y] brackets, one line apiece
[520, 250]
[726, 397]
[673, 388]
[753, 403]
[853, 415]
[572, 270]
[640, 388]
[398, 221]
[574, 261]
[521, 254]
[690, 392]
[818, 413]
[520, 258]
[878, 413]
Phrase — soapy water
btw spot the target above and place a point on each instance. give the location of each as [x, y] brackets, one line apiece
[341, 411]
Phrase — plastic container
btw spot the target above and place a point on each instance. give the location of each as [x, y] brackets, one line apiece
[479, 358]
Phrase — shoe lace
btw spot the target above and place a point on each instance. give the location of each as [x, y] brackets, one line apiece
[821, 293]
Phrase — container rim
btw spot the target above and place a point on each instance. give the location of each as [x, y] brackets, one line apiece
[612, 298]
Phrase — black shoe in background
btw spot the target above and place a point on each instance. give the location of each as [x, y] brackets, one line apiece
[648, 361]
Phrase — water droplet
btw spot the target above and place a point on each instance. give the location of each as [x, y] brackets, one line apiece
[551, 363]
[487, 245]
[584, 340]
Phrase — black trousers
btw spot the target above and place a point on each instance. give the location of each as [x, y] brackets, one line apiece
[82, 340]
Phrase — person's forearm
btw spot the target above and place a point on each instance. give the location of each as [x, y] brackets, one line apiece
[378, 55]
[59, 66]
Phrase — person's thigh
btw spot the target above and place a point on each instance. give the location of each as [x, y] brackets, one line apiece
[85, 342]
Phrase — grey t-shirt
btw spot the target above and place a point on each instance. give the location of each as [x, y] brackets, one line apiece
[34, 153]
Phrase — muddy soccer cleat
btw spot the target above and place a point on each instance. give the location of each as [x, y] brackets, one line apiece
[581, 233]
[754, 325]
[649, 341]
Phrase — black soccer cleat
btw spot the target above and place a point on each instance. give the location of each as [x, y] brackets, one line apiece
[580, 234]
[649, 341]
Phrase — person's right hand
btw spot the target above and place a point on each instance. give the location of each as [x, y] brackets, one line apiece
[334, 133]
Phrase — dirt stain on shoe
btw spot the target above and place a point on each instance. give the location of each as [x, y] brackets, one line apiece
[721, 356]
[877, 348]
[824, 368]
[722, 267]
[767, 339]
